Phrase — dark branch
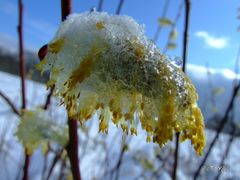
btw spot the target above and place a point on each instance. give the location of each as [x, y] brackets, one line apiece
[119, 162]
[119, 8]
[219, 130]
[100, 5]
[66, 8]
[48, 99]
[229, 144]
[13, 107]
[54, 162]
[186, 29]
[175, 165]
[185, 46]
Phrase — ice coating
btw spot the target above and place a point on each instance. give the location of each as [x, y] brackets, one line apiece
[102, 63]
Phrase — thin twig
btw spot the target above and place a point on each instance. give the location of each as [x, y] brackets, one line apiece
[10, 103]
[236, 87]
[120, 159]
[119, 162]
[175, 165]
[173, 26]
[63, 166]
[185, 46]
[48, 99]
[232, 133]
[100, 5]
[186, 29]
[229, 144]
[119, 8]
[72, 147]
[220, 128]
[159, 28]
[237, 66]
[162, 165]
[54, 162]
[45, 161]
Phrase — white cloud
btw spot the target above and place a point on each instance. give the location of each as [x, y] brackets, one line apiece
[212, 41]
[198, 72]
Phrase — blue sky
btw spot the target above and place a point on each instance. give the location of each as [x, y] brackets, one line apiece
[213, 36]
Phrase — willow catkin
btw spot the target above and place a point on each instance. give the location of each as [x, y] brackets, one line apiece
[105, 63]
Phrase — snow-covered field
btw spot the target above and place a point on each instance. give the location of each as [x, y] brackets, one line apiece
[94, 155]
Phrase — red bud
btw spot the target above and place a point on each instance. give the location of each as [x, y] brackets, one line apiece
[42, 52]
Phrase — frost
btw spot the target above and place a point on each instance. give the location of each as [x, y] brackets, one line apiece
[36, 128]
[177, 61]
[105, 64]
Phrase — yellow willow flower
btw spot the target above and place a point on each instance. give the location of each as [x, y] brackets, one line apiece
[102, 63]
[37, 128]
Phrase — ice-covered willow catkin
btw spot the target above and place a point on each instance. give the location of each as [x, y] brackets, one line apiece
[105, 63]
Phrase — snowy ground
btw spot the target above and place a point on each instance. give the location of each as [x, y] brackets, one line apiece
[93, 155]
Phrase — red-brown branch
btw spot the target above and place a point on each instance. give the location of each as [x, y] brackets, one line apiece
[13, 107]
[21, 54]
[23, 75]
[66, 8]
[72, 147]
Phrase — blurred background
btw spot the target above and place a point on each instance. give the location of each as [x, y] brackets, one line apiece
[212, 65]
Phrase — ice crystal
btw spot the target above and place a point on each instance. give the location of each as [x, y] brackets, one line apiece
[105, 63]
[36, 128]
